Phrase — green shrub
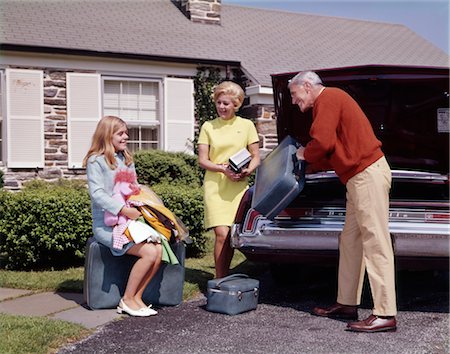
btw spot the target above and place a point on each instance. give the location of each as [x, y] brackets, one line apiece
[187, 203]
[44, 227]
[155, 166]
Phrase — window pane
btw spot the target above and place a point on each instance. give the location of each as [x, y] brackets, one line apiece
[149, 146]
[133, 133]
[133, 147]
[150, 134]
[112, 94]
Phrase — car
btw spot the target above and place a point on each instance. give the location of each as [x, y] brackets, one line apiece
[408, 108]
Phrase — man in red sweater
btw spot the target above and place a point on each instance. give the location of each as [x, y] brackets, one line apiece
[343, 140]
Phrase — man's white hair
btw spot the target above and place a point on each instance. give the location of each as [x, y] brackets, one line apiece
[305, 76]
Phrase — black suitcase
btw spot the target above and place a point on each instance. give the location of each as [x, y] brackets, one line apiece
[279, 179]
[105, 278]
[233, 294]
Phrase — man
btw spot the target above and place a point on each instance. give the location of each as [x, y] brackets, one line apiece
[343, 140]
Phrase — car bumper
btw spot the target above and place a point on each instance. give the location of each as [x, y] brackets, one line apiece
[410, 240]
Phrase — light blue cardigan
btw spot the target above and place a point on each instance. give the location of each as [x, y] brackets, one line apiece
[101, 183]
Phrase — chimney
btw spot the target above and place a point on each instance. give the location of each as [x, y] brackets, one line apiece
[201, 11]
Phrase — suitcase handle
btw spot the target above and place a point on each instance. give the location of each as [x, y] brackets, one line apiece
[299, 167]
[230, 277]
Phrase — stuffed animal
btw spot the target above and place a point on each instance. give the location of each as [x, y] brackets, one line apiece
[125, 185]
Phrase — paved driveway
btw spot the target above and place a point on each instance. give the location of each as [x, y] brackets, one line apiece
[282, 323]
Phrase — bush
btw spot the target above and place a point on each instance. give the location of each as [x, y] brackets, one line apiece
[44, 227]
[187, 203]
[155, 167]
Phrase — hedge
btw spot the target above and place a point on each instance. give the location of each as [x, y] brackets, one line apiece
[155, 167]
[44, 228]
[186, 201]
[46, 225]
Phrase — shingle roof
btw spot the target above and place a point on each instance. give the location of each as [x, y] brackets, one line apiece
[264, 41]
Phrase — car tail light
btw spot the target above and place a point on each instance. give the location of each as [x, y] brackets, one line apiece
[251, 220]
[437, 217]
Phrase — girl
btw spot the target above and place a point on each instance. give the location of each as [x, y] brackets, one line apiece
[107, 155]
[223, 189]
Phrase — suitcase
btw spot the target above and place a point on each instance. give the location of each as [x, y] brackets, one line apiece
[106, 276]
[279, 179]
[232, 295]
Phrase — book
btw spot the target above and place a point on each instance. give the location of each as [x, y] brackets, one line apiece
[239, 160]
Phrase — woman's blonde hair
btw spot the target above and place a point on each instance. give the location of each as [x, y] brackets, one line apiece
[102, 142]
[232, 89]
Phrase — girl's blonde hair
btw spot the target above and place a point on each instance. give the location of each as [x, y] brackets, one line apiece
[232, 89]
[102, 142]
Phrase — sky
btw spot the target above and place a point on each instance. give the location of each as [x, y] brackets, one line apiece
[427, 18]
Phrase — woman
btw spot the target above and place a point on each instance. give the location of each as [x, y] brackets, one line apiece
[219, 139]
[107, 156]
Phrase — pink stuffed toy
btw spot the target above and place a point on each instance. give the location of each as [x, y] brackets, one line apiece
[125, 185]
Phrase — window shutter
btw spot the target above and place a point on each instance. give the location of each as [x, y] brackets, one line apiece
[179, 115]
[25, 118]
[83, 114]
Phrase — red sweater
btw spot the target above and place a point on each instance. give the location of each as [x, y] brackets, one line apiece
[342, 137]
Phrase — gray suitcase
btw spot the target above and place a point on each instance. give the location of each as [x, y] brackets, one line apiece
[279, 179]
[106, 276]
[232, 295]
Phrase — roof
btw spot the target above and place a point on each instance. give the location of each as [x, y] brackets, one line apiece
[263, 41]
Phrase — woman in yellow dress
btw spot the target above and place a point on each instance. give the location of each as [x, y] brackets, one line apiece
[219, 139]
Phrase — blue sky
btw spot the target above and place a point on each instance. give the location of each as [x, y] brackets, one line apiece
[428, 18]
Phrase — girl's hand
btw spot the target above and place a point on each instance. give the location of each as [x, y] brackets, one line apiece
[230, 174]
[131, 213]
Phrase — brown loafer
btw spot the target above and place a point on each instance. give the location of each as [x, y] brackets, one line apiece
[337, 310]
[374, 324]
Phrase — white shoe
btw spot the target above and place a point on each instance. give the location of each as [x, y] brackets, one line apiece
[151, 311]
[143, 312]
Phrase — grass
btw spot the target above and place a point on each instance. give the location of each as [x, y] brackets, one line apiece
[198, 272]
[21, 334]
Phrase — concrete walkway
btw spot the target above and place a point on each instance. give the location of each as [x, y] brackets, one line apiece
[62, 306]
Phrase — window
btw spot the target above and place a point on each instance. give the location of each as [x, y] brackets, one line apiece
[138, 103]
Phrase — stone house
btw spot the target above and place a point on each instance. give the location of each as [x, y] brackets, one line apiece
[65, 64]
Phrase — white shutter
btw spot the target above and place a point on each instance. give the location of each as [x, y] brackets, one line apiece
[25, 118]
[83, 113]
[179, 115]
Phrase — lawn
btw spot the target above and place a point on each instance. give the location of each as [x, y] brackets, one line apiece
[40, 335]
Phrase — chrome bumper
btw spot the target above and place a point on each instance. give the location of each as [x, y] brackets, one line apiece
[410, 239]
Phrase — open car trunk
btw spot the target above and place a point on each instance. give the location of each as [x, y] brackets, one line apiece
[408, 108]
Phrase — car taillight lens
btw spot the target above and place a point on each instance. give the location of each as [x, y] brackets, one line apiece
[251, 220]
[437, 217]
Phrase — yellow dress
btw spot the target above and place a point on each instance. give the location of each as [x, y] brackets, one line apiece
[221, 195]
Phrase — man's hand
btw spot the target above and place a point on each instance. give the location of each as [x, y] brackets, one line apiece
[300, 153]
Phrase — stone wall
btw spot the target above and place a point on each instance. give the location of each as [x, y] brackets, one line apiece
[266, 125]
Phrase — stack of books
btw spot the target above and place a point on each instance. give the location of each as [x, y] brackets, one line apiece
[240, 160]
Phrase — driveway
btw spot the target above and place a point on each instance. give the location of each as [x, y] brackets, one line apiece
[282, 323]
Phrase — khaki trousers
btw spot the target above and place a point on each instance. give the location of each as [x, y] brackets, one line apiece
[365, 242]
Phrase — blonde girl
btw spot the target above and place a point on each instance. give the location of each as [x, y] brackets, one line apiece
[219, 139]
[107, 155]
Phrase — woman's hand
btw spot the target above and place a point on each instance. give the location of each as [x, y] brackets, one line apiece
[131, 213]
[231, 174]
